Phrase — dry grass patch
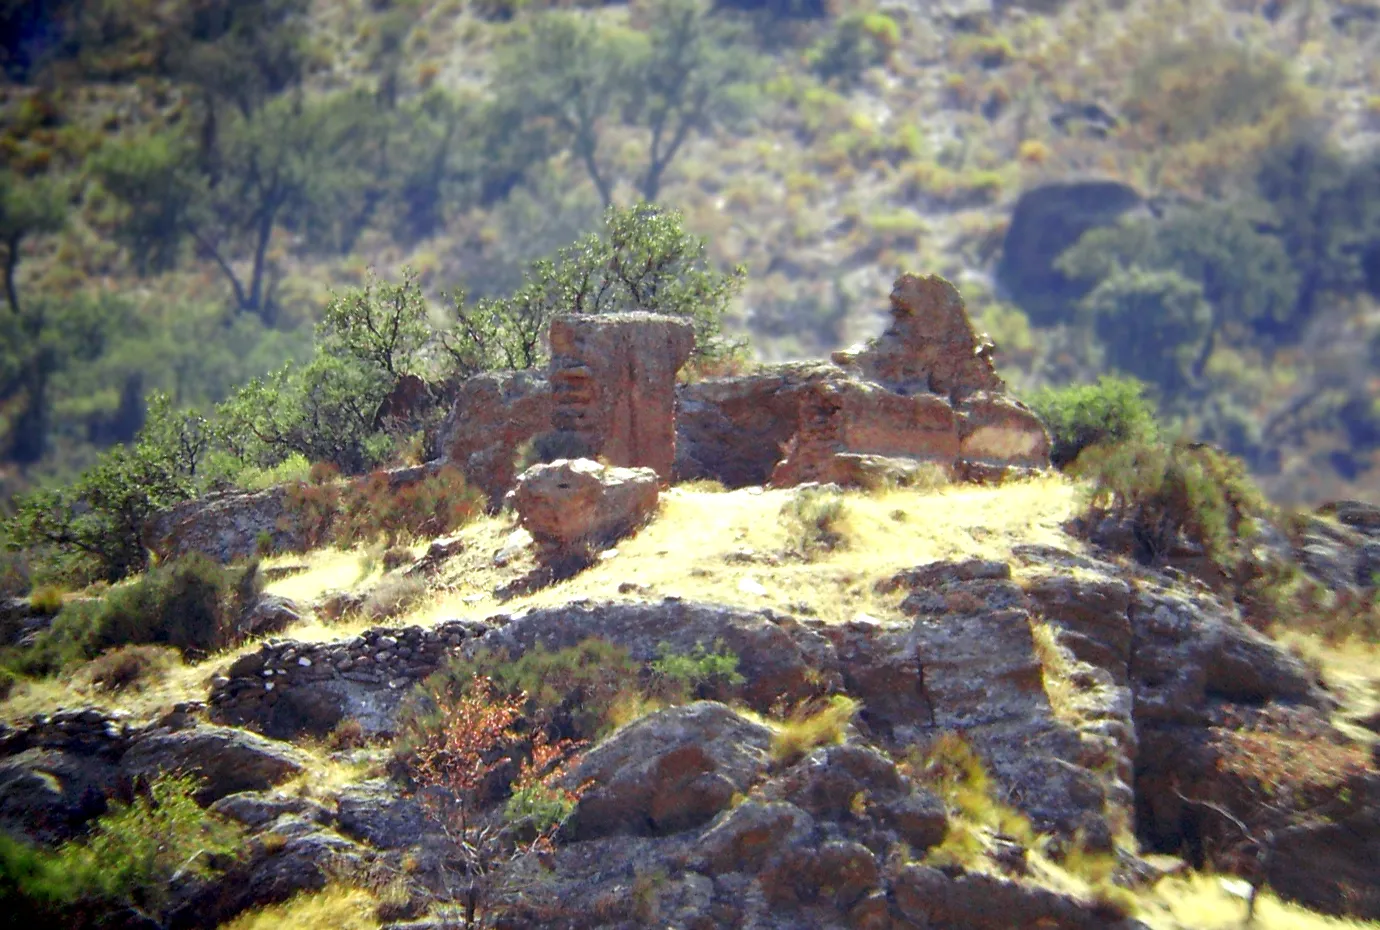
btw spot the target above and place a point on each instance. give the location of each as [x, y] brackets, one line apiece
[1201, 902]
[337, 907]
[734, 547]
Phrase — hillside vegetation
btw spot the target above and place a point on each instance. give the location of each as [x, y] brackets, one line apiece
[186, 184]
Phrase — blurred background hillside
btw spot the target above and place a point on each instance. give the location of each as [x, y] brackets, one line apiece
[1185, 191]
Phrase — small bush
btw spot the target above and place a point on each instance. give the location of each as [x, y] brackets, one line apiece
[573, 692]
[370, 509]
[130, 666]
[805, 731]
[46, 599]
[125, 862]
[1113, 410]
[814, 517]
[393, 597]
[698, 675]
[1175, 491]
[348, 734]
[192, 605]
[953, 770]
[7, 682]
[396, 557]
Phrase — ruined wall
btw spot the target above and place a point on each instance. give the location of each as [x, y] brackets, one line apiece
[613, 382]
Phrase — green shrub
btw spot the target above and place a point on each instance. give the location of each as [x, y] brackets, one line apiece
[857, 42]
[46, 599]
[807, 730]
[126, 861]
[7, 682]
[192, 605]
[1172, 491]
[370, 509]
[1113, 410]
[572, 692]
[699, 674]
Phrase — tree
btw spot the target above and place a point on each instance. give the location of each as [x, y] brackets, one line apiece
[689, 72]
[1328, 217]
[383, 326]
[572, 74]
[1245, 275]
[645, 260]
[697, 72]
[28, 207]
[1154, 324]
[280, 164]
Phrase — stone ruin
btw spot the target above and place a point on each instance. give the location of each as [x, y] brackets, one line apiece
[925, 391]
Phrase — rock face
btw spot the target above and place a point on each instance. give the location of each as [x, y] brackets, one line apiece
[669, 771]
[226, 760]
[492, 416]
[578, 505]
[1047, 220]
[613, 381]
[226, 527]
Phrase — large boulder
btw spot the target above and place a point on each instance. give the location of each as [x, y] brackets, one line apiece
[227, 526]
[578, 505]
[226, 760]
[1047, 220]
[48, 794]
[669, 771]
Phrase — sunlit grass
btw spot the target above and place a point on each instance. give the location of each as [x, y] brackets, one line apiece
[337, 907]
[1202, 902]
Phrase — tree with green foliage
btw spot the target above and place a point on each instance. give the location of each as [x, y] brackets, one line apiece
[1114, 410]
[690, 71]
[697, 71]
[282, 164]
[28, 207]
[1243, 277]
[1328, 217]
[645, 260]
[1154, 324]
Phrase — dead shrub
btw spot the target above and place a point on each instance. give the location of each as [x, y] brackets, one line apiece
[392, 597]
[131, 667]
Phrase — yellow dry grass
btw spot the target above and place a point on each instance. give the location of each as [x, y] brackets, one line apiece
[735, 548]
[337, 907]
[1351, 670]
[1201, 902]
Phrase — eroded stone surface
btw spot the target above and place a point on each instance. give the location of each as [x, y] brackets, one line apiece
[613, 380]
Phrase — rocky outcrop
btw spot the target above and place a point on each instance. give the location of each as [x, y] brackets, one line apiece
[669, 771]
[224, 760]
[492, 416]
[20, 620]
[232, 526]
[227, 526]
[1047, 220]
[59, 772]
[613, 383]
[577, 507]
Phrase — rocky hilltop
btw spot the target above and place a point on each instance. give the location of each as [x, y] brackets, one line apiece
[914, 691]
